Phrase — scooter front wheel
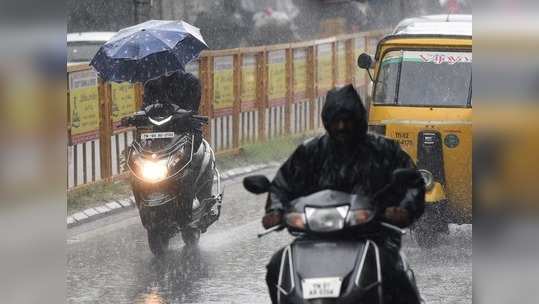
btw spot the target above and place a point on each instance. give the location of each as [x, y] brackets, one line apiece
[158, 242]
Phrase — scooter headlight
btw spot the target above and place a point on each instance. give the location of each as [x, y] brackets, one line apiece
[326, 219]
[428, 178]
[153, 171]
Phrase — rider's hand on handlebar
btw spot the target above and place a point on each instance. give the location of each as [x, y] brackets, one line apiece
[272, 218]
[125, 122]
[397, 216]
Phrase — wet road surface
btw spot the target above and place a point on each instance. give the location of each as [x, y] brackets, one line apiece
[109, 260]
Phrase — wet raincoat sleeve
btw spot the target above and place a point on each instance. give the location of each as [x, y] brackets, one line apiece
[410, 196]
[290, 182]
[413, 198]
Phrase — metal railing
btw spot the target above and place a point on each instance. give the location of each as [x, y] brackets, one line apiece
[250, 94]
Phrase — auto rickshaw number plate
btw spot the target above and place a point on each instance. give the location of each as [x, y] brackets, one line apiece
[321, 288]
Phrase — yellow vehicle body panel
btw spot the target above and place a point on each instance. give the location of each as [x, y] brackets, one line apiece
[435, 195]
[404, 124]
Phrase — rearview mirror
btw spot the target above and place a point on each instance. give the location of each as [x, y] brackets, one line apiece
[364, 61]
[256, 184]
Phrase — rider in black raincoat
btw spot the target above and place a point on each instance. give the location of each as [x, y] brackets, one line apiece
[184, 90]
[179, 88]
[348, 159]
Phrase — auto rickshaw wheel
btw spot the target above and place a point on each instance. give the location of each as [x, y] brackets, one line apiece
[428, 229]
[425, 237]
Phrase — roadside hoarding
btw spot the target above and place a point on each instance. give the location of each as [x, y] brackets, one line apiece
[300, 74]
[360, 75]
[324, 68]
[123, 102]
[248, 83]
[223, 86]
[277, 77]
[341, 62]
[84, 106]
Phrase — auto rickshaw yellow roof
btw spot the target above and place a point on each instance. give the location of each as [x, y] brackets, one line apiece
[436, 30]
[453, 25]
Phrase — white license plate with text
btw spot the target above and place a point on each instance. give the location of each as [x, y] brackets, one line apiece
[321, 288]
[157, 135]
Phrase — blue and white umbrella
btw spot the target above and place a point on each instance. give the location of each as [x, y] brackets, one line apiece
[148, 50]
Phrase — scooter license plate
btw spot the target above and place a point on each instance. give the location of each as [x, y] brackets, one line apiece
[157, 135]
[321, 288]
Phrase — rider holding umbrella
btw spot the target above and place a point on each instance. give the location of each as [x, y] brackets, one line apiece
[155, 53]
[172, 167]
[181, 89]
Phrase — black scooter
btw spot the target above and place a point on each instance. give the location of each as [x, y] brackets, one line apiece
[333, 259]
[172, 175]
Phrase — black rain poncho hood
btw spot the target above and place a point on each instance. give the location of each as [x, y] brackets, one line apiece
[345, 102]
[180, 88]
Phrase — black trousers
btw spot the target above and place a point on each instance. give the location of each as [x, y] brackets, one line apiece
[399, 287]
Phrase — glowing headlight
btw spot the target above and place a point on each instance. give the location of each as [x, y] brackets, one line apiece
[428, 178]
[326, 219]
[153, 171]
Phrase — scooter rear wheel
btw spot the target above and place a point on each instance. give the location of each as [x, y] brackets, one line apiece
[158, 242]
[190, 236]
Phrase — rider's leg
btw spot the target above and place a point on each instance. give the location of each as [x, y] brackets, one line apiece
[397, 282]
[410, 275]
[205, 181]
[272, 274]
[205, 199]
[204, 190]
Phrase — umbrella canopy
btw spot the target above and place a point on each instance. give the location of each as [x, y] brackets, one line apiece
[148, 50]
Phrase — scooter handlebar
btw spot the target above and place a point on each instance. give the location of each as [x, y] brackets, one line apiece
[272, 229]
[393, 227]
[136, 119]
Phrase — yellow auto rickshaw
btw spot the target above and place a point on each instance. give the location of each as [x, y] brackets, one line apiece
[422, 98]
